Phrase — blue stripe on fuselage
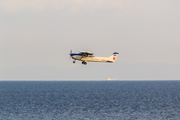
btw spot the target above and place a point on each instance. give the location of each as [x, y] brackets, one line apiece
[72, 54]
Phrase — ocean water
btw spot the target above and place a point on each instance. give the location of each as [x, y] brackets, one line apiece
[90, 100]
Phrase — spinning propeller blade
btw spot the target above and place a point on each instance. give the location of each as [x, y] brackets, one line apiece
[70, 54]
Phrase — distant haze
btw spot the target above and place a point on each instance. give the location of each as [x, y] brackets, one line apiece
[36, 37]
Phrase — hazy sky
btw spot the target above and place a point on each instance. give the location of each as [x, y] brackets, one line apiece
[37, 35]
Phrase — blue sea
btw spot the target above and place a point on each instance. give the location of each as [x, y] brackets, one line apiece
[90, 100]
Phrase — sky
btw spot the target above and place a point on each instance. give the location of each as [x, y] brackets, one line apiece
[36, 37]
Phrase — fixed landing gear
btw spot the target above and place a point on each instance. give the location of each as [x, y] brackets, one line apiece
[74, 61]
[83, 62]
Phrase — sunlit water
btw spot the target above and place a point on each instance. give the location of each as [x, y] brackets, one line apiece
[105, 100]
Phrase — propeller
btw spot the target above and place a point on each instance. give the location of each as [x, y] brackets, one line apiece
[70, 54]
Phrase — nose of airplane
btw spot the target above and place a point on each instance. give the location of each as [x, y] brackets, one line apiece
[71, 55]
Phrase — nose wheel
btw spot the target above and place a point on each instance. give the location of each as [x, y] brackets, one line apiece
[83, 62]
[74, 61]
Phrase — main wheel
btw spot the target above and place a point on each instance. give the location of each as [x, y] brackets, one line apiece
[83, 62]
[74, 61]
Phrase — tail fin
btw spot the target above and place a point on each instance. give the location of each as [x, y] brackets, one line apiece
[113, 57]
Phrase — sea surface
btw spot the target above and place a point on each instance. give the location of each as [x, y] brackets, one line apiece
[90, 100]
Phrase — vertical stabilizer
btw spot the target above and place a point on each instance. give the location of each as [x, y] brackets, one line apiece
[113, 57]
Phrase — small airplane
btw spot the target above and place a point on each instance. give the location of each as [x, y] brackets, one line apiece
[88, 57]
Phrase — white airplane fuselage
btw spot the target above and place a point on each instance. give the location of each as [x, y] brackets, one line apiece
[91, 59]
